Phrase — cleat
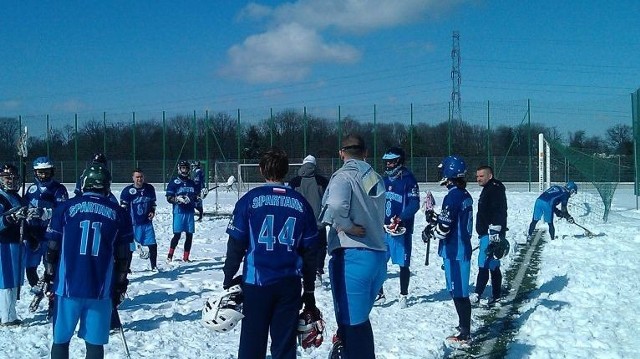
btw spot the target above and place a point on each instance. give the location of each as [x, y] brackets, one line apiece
[13, 323]
[474, 298]
[459, 341]
[35, 303]
[337, 350]
[380, 299]
[494, 302]
[402, 302]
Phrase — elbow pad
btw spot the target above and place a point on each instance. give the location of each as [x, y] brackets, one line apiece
[51, 260]
[121, 265]
[441, 231]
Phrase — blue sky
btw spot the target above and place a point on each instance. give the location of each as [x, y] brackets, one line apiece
[577, 62]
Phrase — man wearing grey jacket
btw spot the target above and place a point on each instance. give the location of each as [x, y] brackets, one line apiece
[353, 205]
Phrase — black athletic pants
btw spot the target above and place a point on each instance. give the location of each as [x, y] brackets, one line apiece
[270, 310]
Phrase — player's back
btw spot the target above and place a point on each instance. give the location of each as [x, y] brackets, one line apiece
[89, 227]
[280, 221]
[554, 195]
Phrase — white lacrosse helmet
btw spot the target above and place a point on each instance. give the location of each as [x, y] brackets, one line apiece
[223, 313]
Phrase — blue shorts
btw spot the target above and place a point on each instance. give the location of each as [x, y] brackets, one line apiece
[184, 222]
[399, 249]
[356, 277]
[144, 234]
[94, 316]
[543, 210]
[34, 258]
[483, 261]
[456, 273]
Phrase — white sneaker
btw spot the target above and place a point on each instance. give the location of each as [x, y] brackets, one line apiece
[380, 299]
[474, 298]
[402, 301]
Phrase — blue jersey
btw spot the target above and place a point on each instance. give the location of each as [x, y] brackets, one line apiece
[139, 202]
[402, 198]
[274, 223]
[11, 269]
[183, 186]
[88, 229]
[45, 196]
[198, 179]
[457, 215]
[555, 195]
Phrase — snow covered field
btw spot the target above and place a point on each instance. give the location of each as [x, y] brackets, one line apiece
[584, 305]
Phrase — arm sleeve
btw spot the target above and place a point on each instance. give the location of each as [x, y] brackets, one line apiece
[413, 205]
[152, 205]
[338, 204]
[236, 250]
[309, 265]
[309, 250]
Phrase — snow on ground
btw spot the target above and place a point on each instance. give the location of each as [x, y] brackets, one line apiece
[584, 305]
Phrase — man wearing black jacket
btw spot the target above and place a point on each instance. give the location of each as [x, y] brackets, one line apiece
[491, 226]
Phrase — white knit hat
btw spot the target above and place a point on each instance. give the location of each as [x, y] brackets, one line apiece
[309, 159]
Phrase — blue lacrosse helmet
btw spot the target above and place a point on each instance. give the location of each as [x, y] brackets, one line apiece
[572, 187]
[452, 167]
[43, 169]
[393, 159]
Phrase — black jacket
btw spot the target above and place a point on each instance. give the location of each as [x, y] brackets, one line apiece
[492, 207]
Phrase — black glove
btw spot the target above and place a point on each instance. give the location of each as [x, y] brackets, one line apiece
[309, 300]
[431, 217]
[119, 290]
[427, 233]
[226, 284]
[569, 219]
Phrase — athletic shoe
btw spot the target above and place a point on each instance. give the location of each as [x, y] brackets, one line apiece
[402, 301]
[475, 299]
[337, 350]
[169, 258]
[459, 340]
[13, 323]
[380, 299]
[35, 302]
[494, 302]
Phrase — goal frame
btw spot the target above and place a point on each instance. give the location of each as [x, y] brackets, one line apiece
[544, 163]
[245, 185]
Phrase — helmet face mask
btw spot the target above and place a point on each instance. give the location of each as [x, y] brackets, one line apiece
[184, 168]
[43, 176]
[43, 169]
[393, 159]
[223, 313]
[9, 178]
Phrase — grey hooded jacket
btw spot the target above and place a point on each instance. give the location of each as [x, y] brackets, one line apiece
[355, 196]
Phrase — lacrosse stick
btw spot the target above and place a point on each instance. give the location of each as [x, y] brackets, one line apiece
[429, 203]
